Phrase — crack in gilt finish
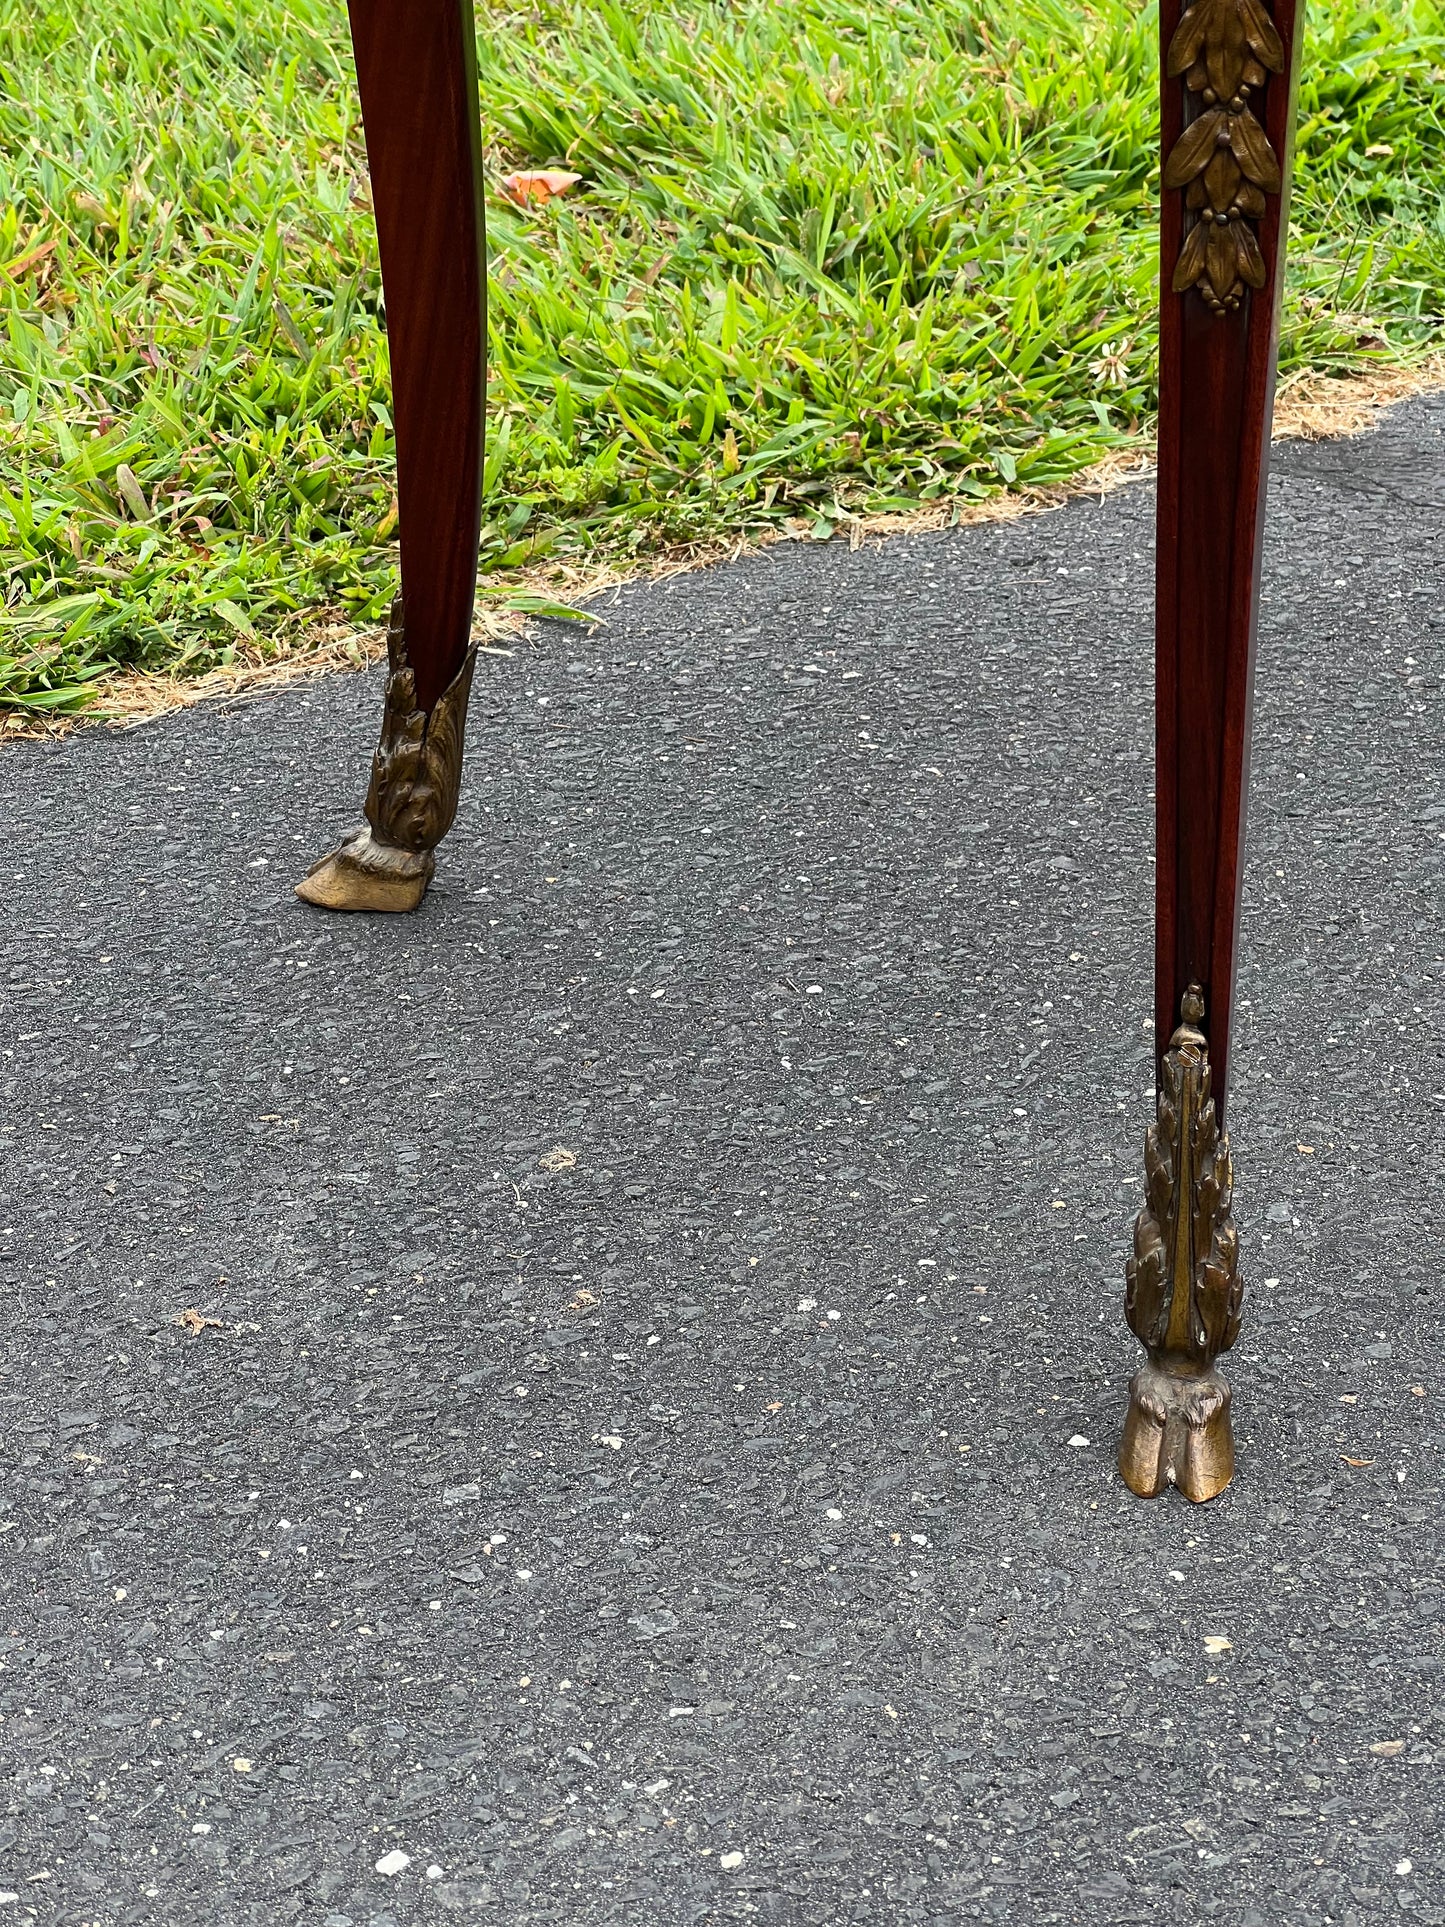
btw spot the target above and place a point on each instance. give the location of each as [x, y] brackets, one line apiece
[1225, 50]
[416, 777]
[1183, 1293]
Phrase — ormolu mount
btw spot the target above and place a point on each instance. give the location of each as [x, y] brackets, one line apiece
[1183, 1295]
[1225, 50]
[416, 777]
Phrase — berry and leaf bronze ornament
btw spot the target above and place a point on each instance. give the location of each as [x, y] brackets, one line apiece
[1225, 50]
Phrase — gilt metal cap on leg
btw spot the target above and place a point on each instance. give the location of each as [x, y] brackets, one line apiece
[1183, 1293]
[416, 778]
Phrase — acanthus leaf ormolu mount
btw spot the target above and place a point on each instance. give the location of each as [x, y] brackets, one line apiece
[1225, 50]
[1183, 1293]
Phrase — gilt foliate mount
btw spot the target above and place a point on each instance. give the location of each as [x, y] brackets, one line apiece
[416, 774]
[1183, 1292]
[1225, 52]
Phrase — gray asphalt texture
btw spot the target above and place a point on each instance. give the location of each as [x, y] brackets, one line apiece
[718, 1521]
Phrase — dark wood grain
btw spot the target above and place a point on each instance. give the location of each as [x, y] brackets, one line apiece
[416, 69]
[1216, 402]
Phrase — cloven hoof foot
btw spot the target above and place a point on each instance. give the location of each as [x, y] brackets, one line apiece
[1178, 1432]
[364, 874]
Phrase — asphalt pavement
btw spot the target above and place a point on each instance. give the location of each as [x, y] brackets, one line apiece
[596, 1403]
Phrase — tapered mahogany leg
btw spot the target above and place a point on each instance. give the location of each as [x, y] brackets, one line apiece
[1228, 115]
[416, 68]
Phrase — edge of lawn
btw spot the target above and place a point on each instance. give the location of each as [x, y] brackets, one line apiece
[1308, 407]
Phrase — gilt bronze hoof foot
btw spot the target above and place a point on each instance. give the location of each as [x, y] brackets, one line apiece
[416, 777]
[1177, 1433]
[365, 874]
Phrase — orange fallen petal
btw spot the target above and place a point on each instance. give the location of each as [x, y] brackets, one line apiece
[538, 186]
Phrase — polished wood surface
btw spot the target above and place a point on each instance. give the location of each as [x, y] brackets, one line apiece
[1216, 400]
[416, 69]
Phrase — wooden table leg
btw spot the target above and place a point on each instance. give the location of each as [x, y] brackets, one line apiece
[1228, 115]
[416, 68]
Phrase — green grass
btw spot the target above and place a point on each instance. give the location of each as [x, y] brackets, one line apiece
[828, 255]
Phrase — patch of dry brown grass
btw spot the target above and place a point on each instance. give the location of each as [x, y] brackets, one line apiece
[1317, 408]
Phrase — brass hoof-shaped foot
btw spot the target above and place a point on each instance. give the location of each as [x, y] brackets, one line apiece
[1178, 1433]
[365, 874]
[416, 776]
